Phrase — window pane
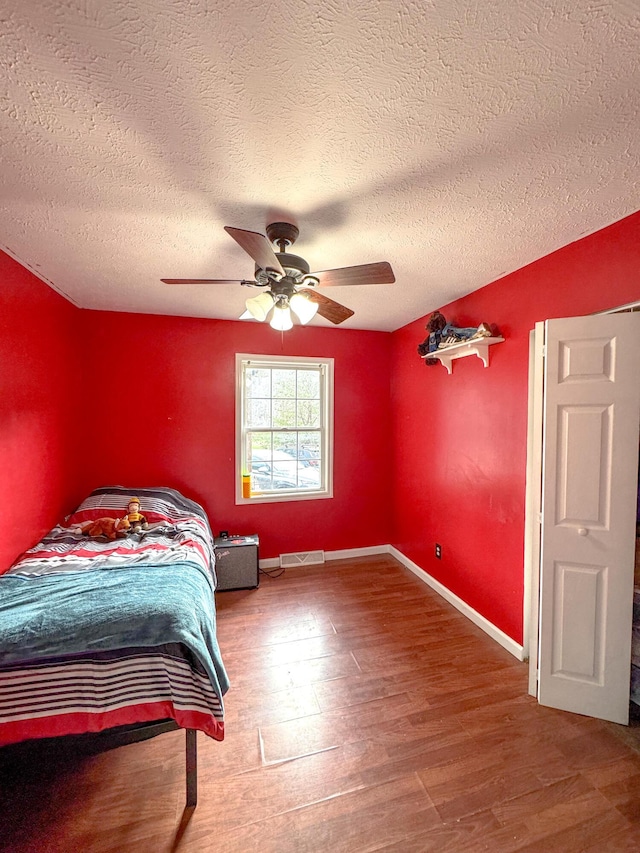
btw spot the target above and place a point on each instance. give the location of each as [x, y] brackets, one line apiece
[285, 442]
[284, 383]
[258, 441]
[309, 449]
[284, 413]
[285, 470]
[258, 413]
[308, 413]
[309, 384]
[258, 382]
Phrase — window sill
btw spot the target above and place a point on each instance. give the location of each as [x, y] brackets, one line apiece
[264, 497]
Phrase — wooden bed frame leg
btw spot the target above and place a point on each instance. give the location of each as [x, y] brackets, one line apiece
[192, 768]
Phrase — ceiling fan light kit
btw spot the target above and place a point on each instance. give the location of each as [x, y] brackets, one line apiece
[303, 307]
[281, 320]
[259, 306]
[291, 286]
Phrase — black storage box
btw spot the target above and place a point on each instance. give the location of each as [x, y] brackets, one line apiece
[237, 562]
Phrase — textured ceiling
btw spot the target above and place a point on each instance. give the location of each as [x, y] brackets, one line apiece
[457, 140]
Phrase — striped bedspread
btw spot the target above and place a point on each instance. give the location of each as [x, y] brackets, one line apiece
[96, 634]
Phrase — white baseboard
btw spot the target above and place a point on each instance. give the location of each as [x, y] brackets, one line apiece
[271, 563]
[488, 627]
[344, 554]
[347, 553]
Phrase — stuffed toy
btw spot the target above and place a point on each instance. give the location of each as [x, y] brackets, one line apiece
[136, 520]
[435, 325]
[108, 527]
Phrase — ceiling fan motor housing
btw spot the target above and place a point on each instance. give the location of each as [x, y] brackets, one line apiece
[294, 266]
[283, 289]
[282, 234]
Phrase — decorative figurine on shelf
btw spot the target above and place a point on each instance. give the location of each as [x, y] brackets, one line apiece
[435, 324]
[136, 520]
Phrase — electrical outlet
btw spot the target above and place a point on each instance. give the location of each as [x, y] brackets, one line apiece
[438, 551]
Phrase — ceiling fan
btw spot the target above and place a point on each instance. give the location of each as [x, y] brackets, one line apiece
[286, 282]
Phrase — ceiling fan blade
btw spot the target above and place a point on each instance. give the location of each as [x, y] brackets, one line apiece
[380, 273]
[204, 281]
[327, 308]
[257, 246]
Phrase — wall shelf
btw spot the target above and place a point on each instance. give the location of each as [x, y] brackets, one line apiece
[479, 347]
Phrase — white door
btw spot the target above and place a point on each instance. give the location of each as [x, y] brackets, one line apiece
[589, 481]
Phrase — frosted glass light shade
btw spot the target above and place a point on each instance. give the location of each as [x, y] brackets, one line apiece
[303, 307]
[281, 320]
[259, 306]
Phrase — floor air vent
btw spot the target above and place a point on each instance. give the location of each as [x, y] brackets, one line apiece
[302, 558]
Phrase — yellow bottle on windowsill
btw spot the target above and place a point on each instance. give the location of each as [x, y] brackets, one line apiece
[246, 485]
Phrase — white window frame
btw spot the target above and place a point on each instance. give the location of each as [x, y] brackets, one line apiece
[326, 428]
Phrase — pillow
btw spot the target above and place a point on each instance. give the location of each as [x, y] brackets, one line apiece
[113, 501]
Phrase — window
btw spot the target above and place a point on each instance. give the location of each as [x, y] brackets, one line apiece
[284, 418]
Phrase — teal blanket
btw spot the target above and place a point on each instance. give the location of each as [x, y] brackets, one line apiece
[147, 605]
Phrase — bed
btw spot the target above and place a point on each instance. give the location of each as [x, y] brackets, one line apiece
[99, 635]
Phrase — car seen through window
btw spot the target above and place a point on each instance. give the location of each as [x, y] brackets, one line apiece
[279, 470]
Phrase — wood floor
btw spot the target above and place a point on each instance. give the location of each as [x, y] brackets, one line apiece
[365, 714]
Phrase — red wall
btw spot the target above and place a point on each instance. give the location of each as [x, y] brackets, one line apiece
[162, 411]
[89, 398]
[460, 441]
[39, 358]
